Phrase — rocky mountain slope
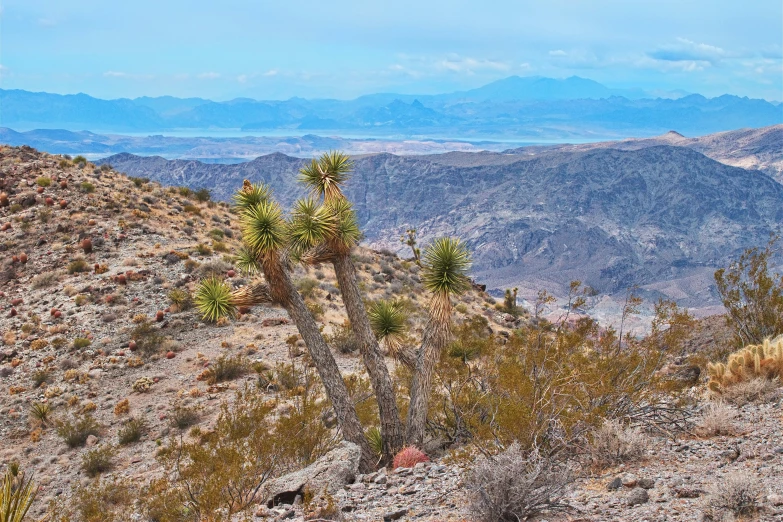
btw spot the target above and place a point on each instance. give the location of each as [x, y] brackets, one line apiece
[71, 308]
[661, 217]
[757, 149]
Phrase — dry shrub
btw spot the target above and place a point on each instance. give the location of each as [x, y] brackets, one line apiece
[228, 368]
[738, 494]
[717, 418]
[514, 486]
[75, 431]
[755, 390]
[107, 501]
[98, 460]
[614, 444]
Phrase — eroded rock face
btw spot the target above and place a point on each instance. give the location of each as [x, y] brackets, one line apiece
[327, 475]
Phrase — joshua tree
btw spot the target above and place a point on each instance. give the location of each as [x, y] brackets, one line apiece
[16, 495]
[445, 265]
[269, 243]
[388, 322]
[325, 178]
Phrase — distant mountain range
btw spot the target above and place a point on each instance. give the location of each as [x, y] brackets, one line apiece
[653, 213]
[523, 109]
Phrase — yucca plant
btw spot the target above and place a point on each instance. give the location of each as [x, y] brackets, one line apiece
[445, 265]
[325, 178]
[16, 495]
[270, 242]
[41, 412]
[375, 439]
[389, 323]
[213, 299]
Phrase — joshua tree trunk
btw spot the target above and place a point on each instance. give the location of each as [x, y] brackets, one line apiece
[391, 425]
[284, 292]
[437, 334]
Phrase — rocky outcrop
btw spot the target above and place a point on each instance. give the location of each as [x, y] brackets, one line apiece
[325, 476]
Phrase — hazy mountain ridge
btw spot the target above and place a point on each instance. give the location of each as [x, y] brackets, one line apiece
[661, 217]
[519, 108]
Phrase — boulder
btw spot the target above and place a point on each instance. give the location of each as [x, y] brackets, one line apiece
[326, 475]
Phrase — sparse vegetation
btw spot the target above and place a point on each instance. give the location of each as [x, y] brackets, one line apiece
[131, 431]
[75, 431]
[78, 265]
[183, 417]
[98, 460]
[738, 494]
[612, 444]
[515, 485]
[228, 368]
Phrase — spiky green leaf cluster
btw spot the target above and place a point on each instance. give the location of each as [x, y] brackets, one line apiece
[251, 195]
[263, 227]
[16, 496]
[325, 175]
[213, 299]
[375, 438]
[346, 229]
[246, 260]
[388, 321]
[446, 262]
[311, 223]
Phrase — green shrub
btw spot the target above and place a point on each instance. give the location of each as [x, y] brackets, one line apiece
[80, 159]
[148, 338]
[131, 431]
[203, 195]
[41, 411]
[78, 265]
[75, 431]
[97, 461]
[81, 342]
[87, 187]
[228, 368]
[183, 417]
[43, 181]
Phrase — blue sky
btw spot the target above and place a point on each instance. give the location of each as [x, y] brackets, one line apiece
[342, 49]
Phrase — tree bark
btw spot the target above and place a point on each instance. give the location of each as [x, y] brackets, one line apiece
[391, 424]
[284, 292]
[437, 334]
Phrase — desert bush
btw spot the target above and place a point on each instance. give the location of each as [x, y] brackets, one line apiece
[375, 438]
[717, 419]
[80, 343]
[614, 444]
[87, 187]
[183, 417]
[754, 390]
[78, 265]
[44, 280]
[181, 298]
[99, 501]
[98, 460]
[515, 485]
[222, 472]
[131, 431]
[147, 337]
[228, 368]
[75, 431]
[470, 338]
[343, 340]
[761, 361]
[307, 287]
[216, 268]
[79, 159]
[43, 181]
[202, 195]
[752, 295]
[408, 457]
[738, 495]
[40, 376]
[550, 384]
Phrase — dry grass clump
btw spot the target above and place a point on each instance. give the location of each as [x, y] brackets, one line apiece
[183, 417]
[717, 419]
[131, 431]
[754, 390]
[737, 495]
[613, 444]
[227, 368]
[515, 485]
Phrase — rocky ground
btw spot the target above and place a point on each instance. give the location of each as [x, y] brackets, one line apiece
[65, 342]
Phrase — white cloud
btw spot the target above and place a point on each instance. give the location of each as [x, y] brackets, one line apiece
[208, 76]
[271, 72]
[557, 52]
[467, 65]
[120, 74]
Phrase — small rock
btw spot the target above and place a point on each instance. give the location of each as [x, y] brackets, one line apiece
[775, 499]
[92, 440]
[637, 496]
[629, 480]
[614, 485]
[646, 483]
[395, 515]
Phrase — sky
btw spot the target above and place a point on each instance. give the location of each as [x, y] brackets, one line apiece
[342, 49]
